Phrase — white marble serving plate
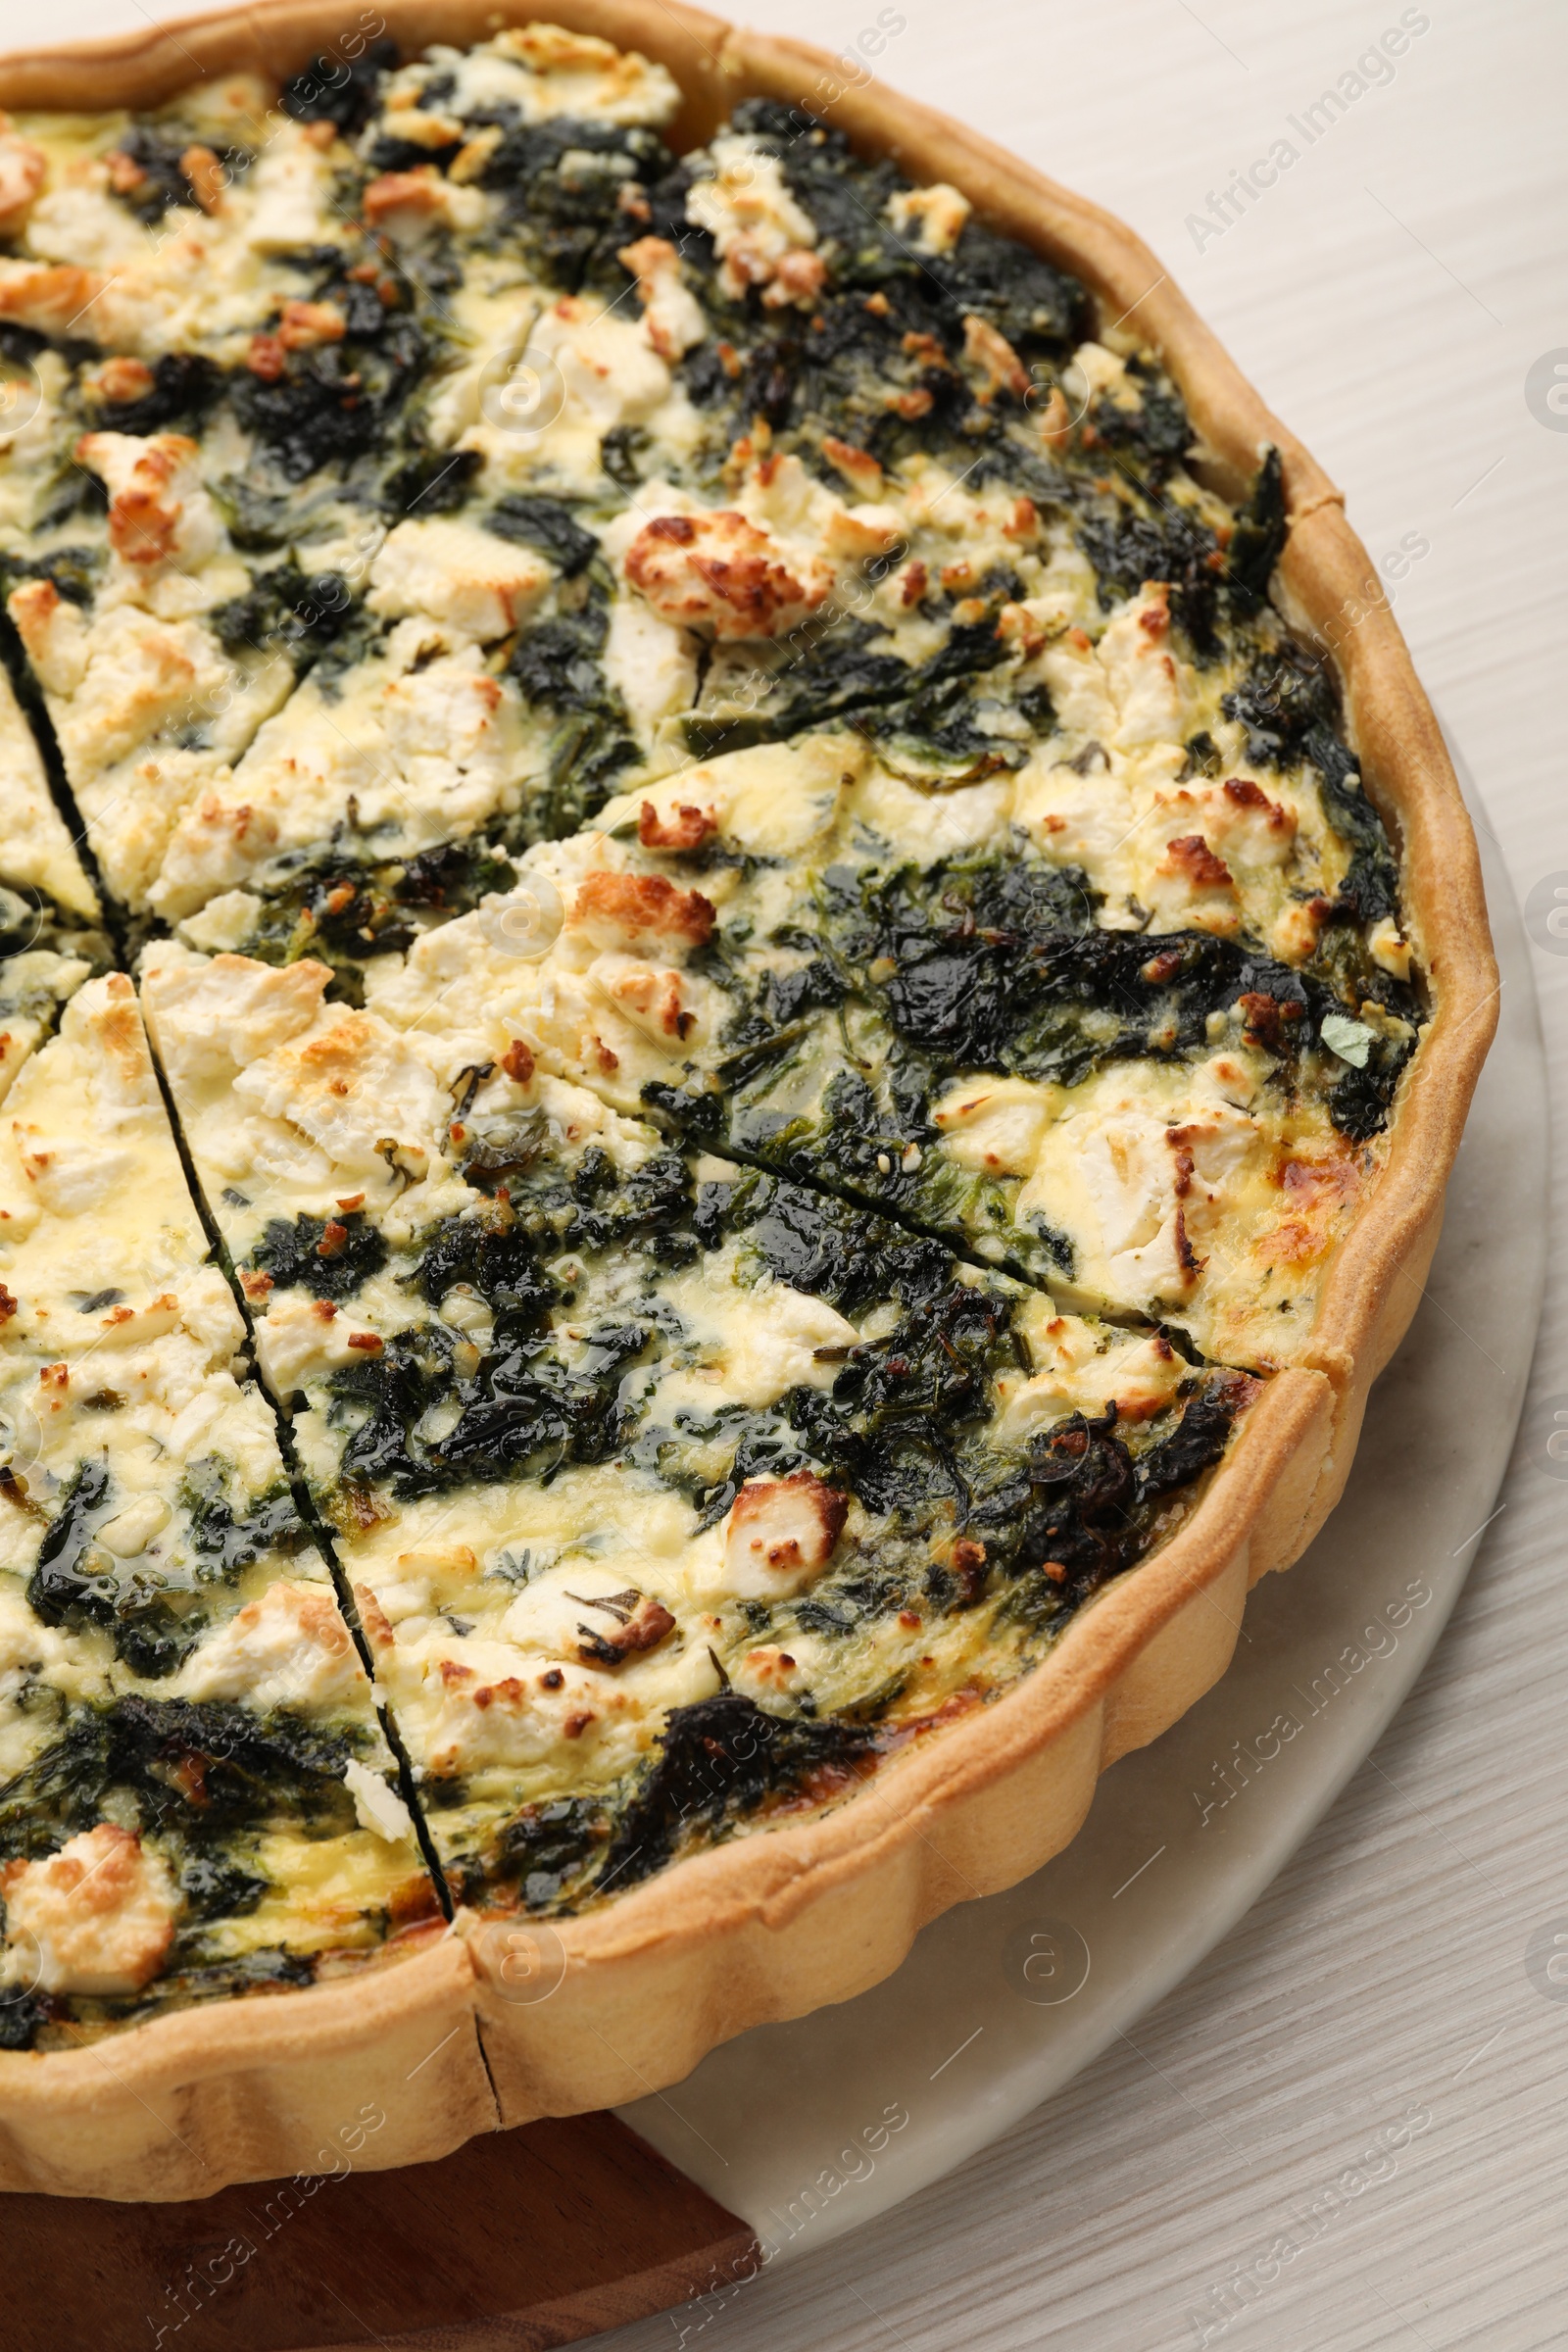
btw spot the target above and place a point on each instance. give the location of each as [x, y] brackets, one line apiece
[812, 2129]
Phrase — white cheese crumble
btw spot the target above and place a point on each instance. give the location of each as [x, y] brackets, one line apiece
[376, 1804]
[543, 71]
[931, 218]
[743, 202]
[457, 574]
[289, 1648]
[96, 1918]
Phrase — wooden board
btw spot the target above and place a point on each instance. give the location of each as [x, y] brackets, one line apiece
[518, 2240]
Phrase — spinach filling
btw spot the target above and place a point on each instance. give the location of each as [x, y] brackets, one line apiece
[29, 919]
[330, 1256]
[1040, 1536]
[313, 619]
[839, 672]
[1288, 706]
[998, 964]
[878, 355]
[928, 711]
[338, 89]
[341, 400]
[721, 1762]
[341, 911]
[202, 1770]
[906, 1425]
[559, 670]
[207, 1781]
[564, 186]
[902, 980]
[184, 389]
[153, 176]
[528, 1403]
[152, 1608]
[432, 1411]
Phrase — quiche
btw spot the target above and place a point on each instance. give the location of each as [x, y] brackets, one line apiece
[737, 976]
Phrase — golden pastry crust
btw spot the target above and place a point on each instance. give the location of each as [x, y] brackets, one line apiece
[771, 1926]
[254, 2090]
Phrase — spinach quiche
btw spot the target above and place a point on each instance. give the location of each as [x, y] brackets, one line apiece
[737, 974]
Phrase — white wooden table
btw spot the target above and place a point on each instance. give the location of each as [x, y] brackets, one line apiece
[1389, 295]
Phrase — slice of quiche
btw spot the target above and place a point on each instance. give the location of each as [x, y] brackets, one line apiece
[798, 955]
[146, 256]
[611, 1435]
[199, 512]
[196, 1796]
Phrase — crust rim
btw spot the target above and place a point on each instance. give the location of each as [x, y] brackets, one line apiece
[770, 1926]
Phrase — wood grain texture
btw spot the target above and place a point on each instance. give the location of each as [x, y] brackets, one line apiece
[521, 2239]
